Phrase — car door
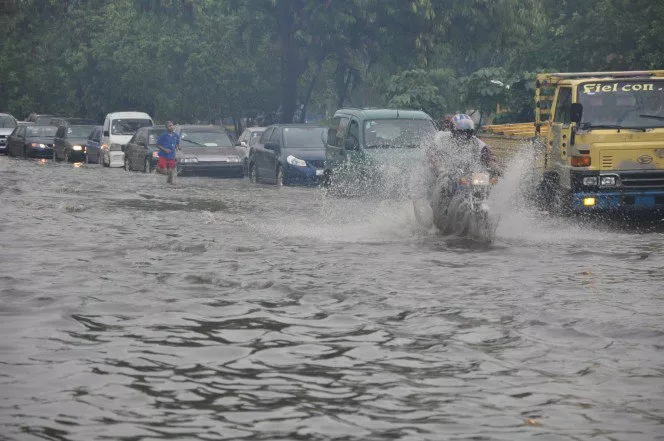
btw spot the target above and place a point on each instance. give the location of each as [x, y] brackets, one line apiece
[90, 151]
[335, 154]
[270, 155]
[12, 140]
[257, 151]
[58, 143]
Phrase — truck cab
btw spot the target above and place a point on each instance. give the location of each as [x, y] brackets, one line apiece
[602, 140]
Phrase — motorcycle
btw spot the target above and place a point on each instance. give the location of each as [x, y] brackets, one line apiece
[458, 205]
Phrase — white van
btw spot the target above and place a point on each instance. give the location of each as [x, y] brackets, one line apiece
[118, 129]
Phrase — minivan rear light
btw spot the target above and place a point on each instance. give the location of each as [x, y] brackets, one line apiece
[580, 161]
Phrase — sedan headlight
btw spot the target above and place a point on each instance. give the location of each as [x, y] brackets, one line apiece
[292, 160]
[77, 148]
[590, 181]
[37, 146]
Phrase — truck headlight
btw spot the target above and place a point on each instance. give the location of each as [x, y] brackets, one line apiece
[590, 181]
[608, 181]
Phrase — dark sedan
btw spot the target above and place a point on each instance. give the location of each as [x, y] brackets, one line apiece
[31, 141]
[289, 154]
[70, 142]
[141, 150]
[207, 150]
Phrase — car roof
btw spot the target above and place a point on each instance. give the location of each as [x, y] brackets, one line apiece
[300, 125]
[200, 127]
[383, 113]
[114, 115]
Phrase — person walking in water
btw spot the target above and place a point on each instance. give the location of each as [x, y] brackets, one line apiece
[167, 143]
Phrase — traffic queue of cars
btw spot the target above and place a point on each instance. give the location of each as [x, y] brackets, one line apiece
[366, 142]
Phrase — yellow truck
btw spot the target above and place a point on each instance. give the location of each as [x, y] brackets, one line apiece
[601, 136]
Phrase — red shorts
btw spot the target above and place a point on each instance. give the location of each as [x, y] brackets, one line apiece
[163, 163]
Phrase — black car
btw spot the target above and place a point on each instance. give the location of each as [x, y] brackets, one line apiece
[31, 141]
[289, 154]
[141, 150]
[208, 150]
[7, 126]
[70, 142]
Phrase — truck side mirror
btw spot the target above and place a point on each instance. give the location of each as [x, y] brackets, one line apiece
[576, 112]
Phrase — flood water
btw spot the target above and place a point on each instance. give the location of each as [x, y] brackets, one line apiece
[218, 309]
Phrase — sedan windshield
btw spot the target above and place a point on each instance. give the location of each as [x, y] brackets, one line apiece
[128, 126]
[622, 104]
[7, 122]
[79, 131]
[204, 139]
[304, 137]
[41, 131]
[397, 132]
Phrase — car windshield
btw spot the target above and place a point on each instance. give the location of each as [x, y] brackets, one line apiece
[128, 126]
[622, 104]
[45, 131]
[7, 122]
[397, 132]
[204, 139]
[153, 135]
[79, 131]
[304, 137]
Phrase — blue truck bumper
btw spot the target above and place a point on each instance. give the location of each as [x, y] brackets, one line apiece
[632, 200]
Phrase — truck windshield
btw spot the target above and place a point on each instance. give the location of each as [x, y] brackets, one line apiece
[622, 104]
[397, 132]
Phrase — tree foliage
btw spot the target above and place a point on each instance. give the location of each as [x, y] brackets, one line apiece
[200, 60]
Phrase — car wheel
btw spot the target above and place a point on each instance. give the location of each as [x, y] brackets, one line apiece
[253, 173]
[126, 164]
[147, 166]
[280, 176]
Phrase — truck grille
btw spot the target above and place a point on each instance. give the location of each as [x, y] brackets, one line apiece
[642, 179]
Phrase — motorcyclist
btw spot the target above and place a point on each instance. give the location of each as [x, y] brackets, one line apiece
[459, 138]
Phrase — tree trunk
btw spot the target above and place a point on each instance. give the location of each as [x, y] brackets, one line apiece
[290, 59]
[319, 67]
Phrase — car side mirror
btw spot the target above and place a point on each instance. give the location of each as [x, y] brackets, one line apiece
[105, 132]
[576, 112]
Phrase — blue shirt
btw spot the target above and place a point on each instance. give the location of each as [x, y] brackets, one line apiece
[169, 142]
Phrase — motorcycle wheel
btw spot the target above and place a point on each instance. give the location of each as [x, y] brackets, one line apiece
[462, 215]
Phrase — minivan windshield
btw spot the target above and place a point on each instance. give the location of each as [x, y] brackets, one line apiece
[397, 132]
[304, 137]
[622, 104]
[128, 126]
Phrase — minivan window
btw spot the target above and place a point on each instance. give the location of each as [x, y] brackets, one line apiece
[397, 132]
[128, 126]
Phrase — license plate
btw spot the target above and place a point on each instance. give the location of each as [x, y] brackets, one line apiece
[319, 172]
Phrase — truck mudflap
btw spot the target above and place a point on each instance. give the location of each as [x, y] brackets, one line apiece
[634, 200]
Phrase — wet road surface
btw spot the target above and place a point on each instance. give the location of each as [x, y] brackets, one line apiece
[217, 309]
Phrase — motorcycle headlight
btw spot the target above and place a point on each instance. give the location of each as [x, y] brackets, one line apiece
[292, 160]
[590, 181]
